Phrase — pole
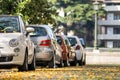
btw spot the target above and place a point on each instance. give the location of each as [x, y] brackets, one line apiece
[96, 31]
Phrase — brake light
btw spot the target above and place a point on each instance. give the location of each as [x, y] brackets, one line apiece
[77, 47]
[45, 43]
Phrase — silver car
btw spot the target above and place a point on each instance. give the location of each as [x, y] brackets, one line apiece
[16, 48]
[48, 51]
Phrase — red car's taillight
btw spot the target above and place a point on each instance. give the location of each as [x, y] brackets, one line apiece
[77, 47]
[45, 43]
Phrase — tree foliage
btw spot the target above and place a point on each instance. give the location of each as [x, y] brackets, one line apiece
[40, 12]
[75, 10]
[33, 11]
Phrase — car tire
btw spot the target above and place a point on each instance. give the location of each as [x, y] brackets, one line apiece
[51, 64]
[32, 66]
[24, 67]
[80, 62]
[73, 63]
[84, 61]
[61, 61]
[66, 62]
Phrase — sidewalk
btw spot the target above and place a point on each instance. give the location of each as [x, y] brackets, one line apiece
[103, 58]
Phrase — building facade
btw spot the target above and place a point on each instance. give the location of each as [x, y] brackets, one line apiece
[109, 26]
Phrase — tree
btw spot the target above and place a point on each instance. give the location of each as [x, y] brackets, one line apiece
[32, 11]
[8, 6]
[39, 12]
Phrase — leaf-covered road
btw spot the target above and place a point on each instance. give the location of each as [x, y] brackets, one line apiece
[66, 73]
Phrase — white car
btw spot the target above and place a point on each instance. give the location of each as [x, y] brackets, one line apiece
[79, 50]
[82, 42]
[16, 48]
[48, 51]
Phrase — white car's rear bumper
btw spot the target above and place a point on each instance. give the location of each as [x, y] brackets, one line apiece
[78, 55]
[44, 54]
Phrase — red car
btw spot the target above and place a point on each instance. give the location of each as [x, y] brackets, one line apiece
[64, 43]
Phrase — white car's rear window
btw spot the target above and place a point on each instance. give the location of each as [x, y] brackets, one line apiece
[72, 41]
[39, 31]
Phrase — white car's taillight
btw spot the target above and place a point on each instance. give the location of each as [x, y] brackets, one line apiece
[45, 43]
[13, 43]
[77, 47]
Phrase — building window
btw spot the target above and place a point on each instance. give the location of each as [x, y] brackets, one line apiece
[103, 30]
[102, 43]
[116, 30]
[116, 44]
[116, 16]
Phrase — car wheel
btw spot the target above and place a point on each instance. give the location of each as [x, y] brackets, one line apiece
[84, 62]
[80, 62]
[51, 64]
[33, 64]
[73, 63]
[66, 62]
[24, 67]
[61, 61]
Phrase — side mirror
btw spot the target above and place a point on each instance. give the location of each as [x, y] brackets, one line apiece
[29, 29]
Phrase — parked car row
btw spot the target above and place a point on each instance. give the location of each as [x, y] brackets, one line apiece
[25, 46]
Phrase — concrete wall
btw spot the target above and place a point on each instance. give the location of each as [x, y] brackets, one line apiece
[103, 58]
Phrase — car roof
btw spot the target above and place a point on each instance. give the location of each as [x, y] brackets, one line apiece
[37, 25]
[77, 38]
[9, 16]
[72, 36]
[45, 26]
[63, 36]
[81, 38]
